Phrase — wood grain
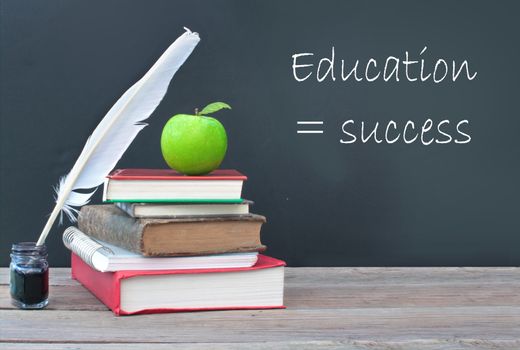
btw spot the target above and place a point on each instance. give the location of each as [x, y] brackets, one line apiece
[328, 308]
[285, 345]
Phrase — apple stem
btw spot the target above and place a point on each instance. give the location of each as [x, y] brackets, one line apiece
[196, 111]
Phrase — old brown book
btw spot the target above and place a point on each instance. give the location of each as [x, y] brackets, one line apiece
[174, 236]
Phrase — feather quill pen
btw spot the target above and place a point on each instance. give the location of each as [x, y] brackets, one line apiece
[116, 131]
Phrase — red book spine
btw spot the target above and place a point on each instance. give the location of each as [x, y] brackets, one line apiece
[169, 174]
[106, 285]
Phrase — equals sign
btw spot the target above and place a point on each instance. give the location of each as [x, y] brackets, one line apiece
[318, 125]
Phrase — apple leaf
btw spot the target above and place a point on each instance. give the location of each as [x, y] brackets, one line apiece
[214, 107]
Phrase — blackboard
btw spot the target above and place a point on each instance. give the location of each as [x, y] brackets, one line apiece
[64, 63]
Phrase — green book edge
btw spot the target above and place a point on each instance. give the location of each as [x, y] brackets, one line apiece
[239, 200]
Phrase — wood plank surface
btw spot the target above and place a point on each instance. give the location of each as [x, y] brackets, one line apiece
[296, 345]
[328, 308]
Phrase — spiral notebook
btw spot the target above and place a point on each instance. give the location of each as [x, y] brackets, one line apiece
[105, 257]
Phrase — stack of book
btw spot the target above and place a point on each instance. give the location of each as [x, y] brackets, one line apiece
[169, 242]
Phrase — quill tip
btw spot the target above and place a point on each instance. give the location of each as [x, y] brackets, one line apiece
[188, 31]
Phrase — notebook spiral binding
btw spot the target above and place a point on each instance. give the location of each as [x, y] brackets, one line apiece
[82, 245]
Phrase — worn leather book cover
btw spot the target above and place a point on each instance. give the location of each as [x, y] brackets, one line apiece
[173, 236]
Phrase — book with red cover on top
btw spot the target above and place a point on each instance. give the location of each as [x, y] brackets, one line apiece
[140, 292]
[170, 174]
[170, 186]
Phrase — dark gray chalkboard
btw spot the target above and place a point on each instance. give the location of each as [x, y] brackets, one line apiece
[64, 63]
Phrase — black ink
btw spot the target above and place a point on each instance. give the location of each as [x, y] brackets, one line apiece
[30, 286]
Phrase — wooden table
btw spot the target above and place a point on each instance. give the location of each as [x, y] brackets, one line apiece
[328, 308]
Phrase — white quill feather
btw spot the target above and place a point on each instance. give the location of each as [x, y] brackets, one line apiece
[117, 130]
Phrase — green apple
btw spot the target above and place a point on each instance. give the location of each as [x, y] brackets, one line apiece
[195, 144]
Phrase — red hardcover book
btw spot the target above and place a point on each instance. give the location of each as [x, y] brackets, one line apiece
[144, 292]
[169, 174]
[169, 186]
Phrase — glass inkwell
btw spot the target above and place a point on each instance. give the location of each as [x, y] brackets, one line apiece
[29, 271]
